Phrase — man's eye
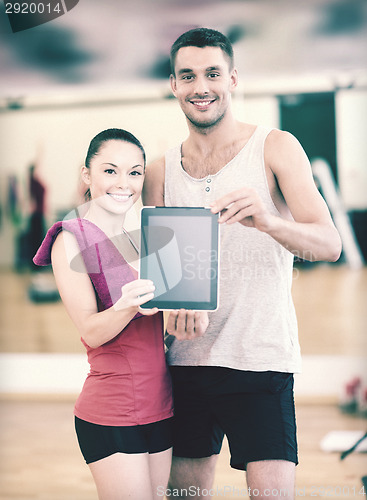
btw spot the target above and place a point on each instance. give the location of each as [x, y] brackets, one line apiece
[213, 75]
[187, 77]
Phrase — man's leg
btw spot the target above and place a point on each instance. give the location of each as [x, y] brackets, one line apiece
[196, 432]
[271, 479]
[190, 476]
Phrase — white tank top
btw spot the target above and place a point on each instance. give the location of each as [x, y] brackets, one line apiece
[255, 327]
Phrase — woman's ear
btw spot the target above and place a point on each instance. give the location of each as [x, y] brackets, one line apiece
[85, 175]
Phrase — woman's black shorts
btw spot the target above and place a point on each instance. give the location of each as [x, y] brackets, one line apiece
[255, 410]
[100, 441]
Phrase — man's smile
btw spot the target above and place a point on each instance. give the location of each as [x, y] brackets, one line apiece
[202, 103]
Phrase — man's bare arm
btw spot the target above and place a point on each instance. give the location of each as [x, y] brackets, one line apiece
[312, 234]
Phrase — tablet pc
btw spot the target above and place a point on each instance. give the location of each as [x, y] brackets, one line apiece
[179, 252]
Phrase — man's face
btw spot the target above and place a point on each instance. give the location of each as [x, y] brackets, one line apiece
[203, 83]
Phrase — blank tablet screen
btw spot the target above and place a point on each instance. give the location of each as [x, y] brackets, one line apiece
[179, 253]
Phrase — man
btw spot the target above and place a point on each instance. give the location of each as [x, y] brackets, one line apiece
[237, 377]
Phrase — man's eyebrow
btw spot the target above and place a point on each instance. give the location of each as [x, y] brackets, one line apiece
[189, 70]
[184, 70]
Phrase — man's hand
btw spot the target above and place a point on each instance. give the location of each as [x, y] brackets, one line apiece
[185, 324]
[245, 206]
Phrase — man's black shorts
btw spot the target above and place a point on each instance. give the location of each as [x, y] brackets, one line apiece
[255, 410]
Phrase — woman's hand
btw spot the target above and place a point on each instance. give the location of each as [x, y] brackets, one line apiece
[185, 324]
[134, 294]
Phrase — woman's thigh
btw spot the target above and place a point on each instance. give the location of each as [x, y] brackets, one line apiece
[123, 476]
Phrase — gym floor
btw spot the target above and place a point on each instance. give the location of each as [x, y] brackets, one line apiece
[40, 459]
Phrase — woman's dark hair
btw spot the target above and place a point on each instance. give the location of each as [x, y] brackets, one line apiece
[202, 37]
[111, 134]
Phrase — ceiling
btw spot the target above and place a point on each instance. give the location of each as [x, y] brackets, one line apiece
[115, 42]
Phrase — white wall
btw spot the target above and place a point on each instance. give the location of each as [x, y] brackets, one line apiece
[22, 373]
[351, 139]
[65, 135]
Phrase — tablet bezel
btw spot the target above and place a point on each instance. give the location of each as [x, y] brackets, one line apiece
[166, 305]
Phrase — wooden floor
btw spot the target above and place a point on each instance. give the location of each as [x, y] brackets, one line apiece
[330, 301]
[40, 459]
[39, 455]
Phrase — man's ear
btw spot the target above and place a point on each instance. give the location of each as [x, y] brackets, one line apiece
[85, 175]
[172, 80]
[234, 79]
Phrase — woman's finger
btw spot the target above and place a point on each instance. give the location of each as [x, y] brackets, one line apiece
[148, 312]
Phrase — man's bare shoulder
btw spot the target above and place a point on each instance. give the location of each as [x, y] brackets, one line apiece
[281, 139]
[156, 166]
[282, 149]
[153, 189]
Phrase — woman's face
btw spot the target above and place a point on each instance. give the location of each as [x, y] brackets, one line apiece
[115, 176]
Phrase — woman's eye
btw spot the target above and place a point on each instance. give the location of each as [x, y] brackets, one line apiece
[136, 172]
[109, 171]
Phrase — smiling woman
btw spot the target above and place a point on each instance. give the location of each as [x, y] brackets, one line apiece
[97, 145]
[115, 178]
[123, 413]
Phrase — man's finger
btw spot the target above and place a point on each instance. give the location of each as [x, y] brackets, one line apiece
[190, 324]
[234, 209]
[181, 322]
[201, 323]
[171, 322]
[227, 200]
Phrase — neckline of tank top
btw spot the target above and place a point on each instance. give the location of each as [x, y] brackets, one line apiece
[211, 176]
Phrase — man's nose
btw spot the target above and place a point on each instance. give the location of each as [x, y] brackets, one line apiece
[201, 86]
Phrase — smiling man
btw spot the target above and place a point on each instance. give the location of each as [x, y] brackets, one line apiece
[237, 378]
[205, 102]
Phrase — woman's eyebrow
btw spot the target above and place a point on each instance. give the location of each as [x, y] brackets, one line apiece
[116, 166]
[112, 165]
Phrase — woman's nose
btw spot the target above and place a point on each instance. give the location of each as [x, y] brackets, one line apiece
[121, 181]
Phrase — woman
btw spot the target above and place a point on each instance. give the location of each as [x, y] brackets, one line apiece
[123, 414]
